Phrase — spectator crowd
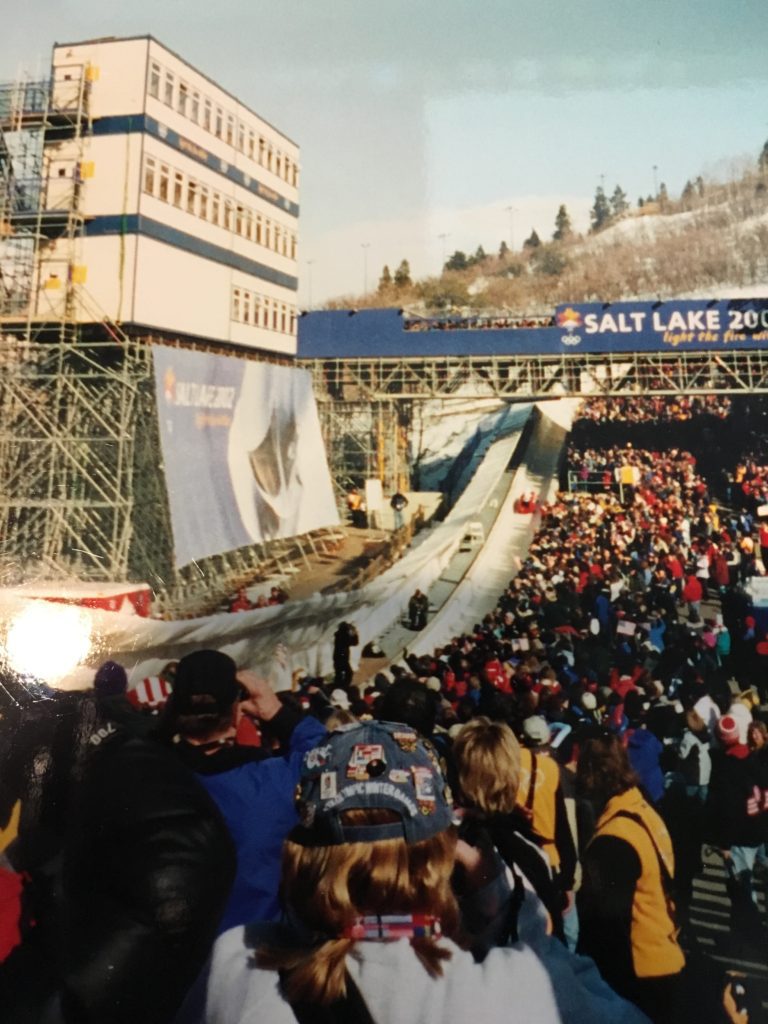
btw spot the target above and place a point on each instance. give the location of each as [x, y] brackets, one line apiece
[507, 828]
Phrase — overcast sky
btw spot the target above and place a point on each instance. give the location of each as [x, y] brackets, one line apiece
[425, 119]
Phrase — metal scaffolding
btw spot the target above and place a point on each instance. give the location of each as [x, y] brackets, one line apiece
[353, 395]
[532, 377]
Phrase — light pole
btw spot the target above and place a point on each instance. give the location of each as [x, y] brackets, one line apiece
[511, 210]
[309, 283]
[365, 246]
[442, 239]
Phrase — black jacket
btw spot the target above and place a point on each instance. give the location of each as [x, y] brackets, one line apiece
[127, 906]
[736, 813]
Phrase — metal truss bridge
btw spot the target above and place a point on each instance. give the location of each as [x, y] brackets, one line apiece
[525, 378]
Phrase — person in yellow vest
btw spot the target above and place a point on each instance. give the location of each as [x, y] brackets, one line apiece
[626, 913]
[541, 803]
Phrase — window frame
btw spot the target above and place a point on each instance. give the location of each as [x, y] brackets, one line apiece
[164, 183]
[155, 80]
[150, 174]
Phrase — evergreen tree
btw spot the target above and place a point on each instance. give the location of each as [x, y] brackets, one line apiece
[563, 227]
[403, 275]
[700, 186]
[549, 261]
[619, 202]
[762, 161]
[443, 293]
[640, 203]
[601, 210]
[480, 255]
[532, 241]
[663, 195]
[385, 281]
[503, 251]
[458, 261]
[687, 195]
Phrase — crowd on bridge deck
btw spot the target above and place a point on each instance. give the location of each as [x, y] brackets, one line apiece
[654, 409]
[476, 323]
[617, 674]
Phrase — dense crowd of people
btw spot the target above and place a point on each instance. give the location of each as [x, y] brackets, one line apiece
[508, 827]
[655, 409]
[476, 323]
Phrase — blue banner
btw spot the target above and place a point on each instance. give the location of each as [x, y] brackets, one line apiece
[593, 328]
[677, 324]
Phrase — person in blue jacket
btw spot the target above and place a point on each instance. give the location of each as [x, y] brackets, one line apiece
[253, 788]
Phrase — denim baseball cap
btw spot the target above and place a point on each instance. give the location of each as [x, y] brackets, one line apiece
[365, 766]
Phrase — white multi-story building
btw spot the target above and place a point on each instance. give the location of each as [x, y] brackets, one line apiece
[187, 201]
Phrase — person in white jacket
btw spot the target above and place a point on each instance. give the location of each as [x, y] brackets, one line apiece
[375, 932]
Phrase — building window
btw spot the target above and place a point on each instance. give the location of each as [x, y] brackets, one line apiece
[239, 222]
[215, 207]
[249, 225]
[149, 175]
[183, 98]
[230, 140]
[293, 247]
[207, 115]
[267, 305]
[219, 122]
[287, 168]
[168, 94]
[228, 214]
[241, 138]
[251, 145]
[194, 112]
[164, 176]
[203, 202]
[246, 307]
[268, 234]
[178, 188]
[154, 80]
[262, 150]
[236, 304]
[274, 316]
[259, 229]
[191, 196]
[256, 311]
[278, 237]
[283, 319]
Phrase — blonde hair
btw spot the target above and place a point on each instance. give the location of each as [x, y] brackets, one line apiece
[487, 757]
[328, 887]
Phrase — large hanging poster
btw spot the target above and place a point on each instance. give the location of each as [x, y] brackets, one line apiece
[243, 455]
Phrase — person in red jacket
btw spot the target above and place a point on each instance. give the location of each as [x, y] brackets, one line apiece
[692, 595]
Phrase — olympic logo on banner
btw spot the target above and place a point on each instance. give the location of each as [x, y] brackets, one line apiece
[570, 319]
